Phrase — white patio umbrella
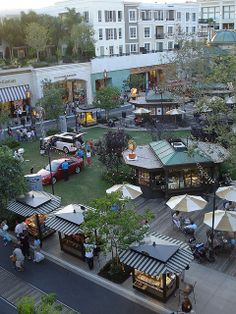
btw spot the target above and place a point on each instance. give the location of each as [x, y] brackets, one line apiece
[186, 203]
[224, 220]
[227, 192]
[128, 190]
[230, 101]
[175, 112]
[141, 111]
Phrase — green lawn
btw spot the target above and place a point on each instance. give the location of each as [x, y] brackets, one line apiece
[87, 185]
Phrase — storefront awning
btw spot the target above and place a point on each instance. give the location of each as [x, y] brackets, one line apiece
[13, 93]
[67, 219]
[176, 263]
[26, 210]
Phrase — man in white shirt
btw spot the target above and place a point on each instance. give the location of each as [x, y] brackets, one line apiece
[89, 249]
[20, 228]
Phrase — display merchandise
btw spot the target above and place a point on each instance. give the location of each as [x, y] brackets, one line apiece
[33, 226]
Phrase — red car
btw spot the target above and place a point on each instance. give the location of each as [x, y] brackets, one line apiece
[75, 166]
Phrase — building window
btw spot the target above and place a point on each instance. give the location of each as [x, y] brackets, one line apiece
[228, 12]
[194, 17]
[193, 29]
[187, 17]
[121, 50]
[133, 48]
[100, 36]
[147, 46]
[160, 46]
[109, 33]
[186, 29]
[147, 32]
[111, 51]
[115, 33]
[102, 51]
[170, 15]
[178, 16]
[120, 33]
[99, 16]
[86, 16]
[132, 16]
[170, 30]
[110, 16]
[119, 16]
[158, 15]
[146, 15]
[170, 45]
[210, 13]
[133, 32]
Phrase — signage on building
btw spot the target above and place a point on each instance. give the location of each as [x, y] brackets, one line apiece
[7, 82]
[64, 77]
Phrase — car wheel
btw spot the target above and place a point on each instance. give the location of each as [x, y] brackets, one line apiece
[66, 150]
[54, 180]
[77, 170]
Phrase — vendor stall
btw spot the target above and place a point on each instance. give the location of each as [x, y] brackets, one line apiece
[35, 207]
[67, 221]
[86, 117]
[156, 264]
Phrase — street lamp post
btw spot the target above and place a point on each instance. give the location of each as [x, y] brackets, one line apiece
[48, 150]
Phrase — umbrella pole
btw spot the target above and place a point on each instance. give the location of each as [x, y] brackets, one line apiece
[211, 253]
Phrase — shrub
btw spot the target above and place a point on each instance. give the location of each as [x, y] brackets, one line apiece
[52, 132]
[125, 174]
[10, 142]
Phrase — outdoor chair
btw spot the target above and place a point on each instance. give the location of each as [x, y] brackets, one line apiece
[187, 289]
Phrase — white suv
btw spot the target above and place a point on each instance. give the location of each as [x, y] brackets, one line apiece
[64, 141]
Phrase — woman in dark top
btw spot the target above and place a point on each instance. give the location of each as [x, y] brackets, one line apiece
[186, 305]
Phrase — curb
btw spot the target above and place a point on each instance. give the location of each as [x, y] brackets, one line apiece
[130, 295]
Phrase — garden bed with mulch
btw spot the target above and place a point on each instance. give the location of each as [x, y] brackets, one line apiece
[115, 272]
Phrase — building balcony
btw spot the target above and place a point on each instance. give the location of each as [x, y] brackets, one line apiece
[160, 36]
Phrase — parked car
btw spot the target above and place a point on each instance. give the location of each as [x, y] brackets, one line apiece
[65, 142]
[75, 166]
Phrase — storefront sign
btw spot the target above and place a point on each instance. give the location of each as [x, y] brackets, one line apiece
[5, 82]
[64, 77]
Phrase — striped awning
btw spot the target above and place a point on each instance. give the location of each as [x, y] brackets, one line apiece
[151, 266]
[64, 225]
[27, 211]
[13, 93]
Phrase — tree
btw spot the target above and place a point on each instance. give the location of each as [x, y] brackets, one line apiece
[48, 305]
[107, 98]
[109, 151]
[117, 223]
[52, 100]
[4, 114]
[36, 37]
[12, 177]
[82, 39]
[137, 80]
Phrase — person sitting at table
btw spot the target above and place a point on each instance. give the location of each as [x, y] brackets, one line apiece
[177, 219]
[190, 228]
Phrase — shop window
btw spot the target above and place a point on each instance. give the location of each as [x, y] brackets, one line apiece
[144, 178]
[173, 182]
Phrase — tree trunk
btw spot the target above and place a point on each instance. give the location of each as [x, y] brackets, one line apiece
[38, 56]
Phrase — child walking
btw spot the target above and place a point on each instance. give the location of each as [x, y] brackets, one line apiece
[88, 158]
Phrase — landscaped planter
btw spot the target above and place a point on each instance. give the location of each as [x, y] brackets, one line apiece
[115, 272]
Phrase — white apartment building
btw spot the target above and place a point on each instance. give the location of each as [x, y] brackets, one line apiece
[161, 25]
[222, 12]
[131, 27]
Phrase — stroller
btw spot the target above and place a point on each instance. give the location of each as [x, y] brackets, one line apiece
[200, 251]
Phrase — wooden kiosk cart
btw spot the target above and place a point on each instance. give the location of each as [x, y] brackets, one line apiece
[156, 264]
[35, 207]
[67, 221]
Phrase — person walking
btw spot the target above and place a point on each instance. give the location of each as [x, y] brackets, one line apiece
[88, 158]
[89, 252]
[38, 256]
[65, 170]
[18, 258]
[4, 232]
[25, 246]
[20, 228]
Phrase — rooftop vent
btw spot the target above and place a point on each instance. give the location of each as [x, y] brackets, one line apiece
[179, 146]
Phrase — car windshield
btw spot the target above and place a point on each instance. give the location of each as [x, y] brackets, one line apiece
[54, 166]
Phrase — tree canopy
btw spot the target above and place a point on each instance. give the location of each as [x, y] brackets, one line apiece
[116, 221]
[12, 177]
[107, 98]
